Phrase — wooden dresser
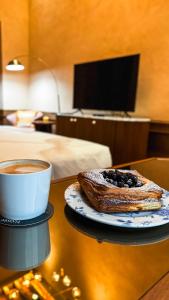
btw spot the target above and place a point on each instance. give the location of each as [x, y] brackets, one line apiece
[158, 144]
[126, 137]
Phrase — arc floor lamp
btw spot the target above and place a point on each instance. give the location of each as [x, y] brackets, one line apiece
[16, 65]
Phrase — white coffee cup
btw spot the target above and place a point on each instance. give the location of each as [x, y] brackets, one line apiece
[24, 196]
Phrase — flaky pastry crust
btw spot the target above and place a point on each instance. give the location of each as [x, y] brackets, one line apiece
[105, 197]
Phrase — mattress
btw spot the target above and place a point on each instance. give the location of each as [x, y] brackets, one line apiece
[68, 156]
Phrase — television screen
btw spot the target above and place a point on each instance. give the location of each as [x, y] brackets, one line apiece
[106, 84]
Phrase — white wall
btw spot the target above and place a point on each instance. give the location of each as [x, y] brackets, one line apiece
[43, 92]
[46, 85]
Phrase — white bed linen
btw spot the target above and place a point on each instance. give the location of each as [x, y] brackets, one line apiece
[67, 155]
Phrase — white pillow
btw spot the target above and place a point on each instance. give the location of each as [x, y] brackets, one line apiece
[24, 118]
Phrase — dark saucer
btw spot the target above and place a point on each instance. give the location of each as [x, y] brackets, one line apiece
[31, 222]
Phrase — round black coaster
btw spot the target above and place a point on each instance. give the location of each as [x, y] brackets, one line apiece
[31, 222]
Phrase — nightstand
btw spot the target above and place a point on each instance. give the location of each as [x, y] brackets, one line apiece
[45, 126]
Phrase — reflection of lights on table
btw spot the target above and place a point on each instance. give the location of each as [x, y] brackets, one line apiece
[56, 276]
[38, 276]
[76, 293]
[66, 280]
[6, 290]
[34, 286]
[35, 296]
[60, 277]
[62, 272]
[26, 282]
[14, 294]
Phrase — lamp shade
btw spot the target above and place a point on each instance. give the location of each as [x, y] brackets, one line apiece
[15, 65]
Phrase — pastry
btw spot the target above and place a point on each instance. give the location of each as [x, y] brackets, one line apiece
[112, 190]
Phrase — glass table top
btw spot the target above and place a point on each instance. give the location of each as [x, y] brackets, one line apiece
[72, 257]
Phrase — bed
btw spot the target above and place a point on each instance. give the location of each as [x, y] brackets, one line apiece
[67, 155]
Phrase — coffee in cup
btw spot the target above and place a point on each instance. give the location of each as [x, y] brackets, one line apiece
[24, 188]
[20, 168]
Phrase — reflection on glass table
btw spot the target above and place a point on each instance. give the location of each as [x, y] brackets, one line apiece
[33, 285]
[23, 248]
[112, 234]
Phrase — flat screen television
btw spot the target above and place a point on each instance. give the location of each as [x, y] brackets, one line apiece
[109, 84]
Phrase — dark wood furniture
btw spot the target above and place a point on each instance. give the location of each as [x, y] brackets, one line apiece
[158, 144]
[3, 119]
[127, 139]
[102, 268]
[45, 126]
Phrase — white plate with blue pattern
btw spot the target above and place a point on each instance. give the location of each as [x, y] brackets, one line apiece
[77, 200]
